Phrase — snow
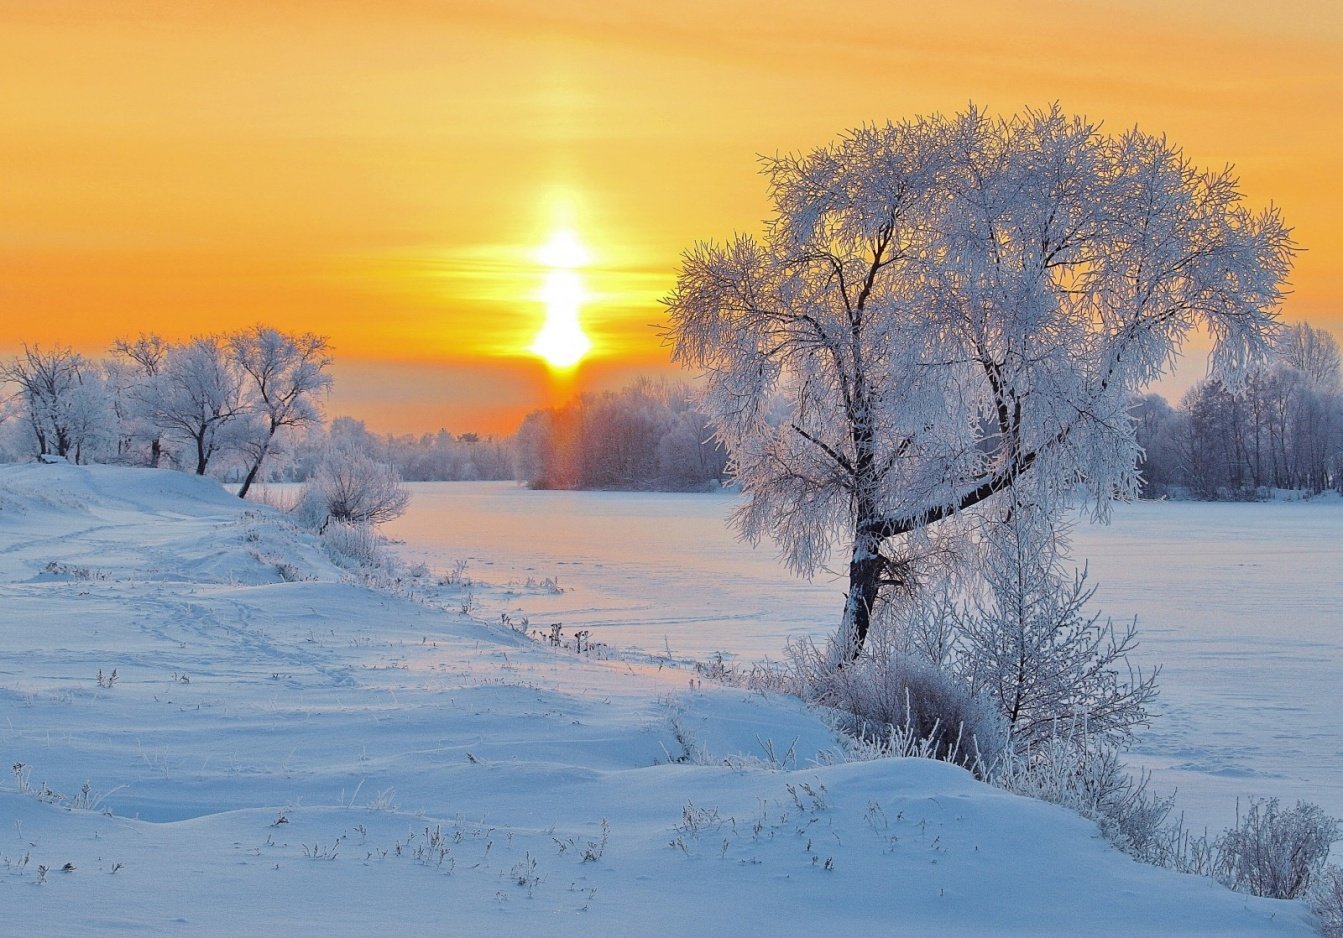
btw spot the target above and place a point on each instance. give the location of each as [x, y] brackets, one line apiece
[284, 749]
[1238, 603]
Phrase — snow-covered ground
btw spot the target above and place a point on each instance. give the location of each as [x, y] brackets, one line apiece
[1241, 605]
[283, 750]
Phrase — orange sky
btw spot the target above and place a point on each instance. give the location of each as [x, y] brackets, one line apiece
[384, 173]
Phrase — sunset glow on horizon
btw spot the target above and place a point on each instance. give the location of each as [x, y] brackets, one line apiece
[482, 203]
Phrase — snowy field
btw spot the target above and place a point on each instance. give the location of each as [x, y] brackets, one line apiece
[1241, 604]
[215, 730]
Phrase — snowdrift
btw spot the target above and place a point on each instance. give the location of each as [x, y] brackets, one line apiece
[214, 729]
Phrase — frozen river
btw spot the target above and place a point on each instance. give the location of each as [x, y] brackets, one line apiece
[1242, 605]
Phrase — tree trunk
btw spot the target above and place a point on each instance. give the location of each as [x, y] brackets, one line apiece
[865, 571]
[251, 477]
[155, 452]
[256, 467]
[201, 456]
[864, 584]
[865, 564]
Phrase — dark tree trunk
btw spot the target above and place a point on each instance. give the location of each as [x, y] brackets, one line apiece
[256, 466]
[251, 477]
[865, 569]
[865, 563]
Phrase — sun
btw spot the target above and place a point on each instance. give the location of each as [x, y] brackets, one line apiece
[561, 341]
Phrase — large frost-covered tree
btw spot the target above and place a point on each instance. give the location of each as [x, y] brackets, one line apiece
[947, 308]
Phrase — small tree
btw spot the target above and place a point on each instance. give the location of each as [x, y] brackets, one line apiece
[286, 373]
[139, 362]
[1028, 642]
[945, 309]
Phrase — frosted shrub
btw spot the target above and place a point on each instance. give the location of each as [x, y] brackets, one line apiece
[761, 677]
[1084, 775]
[1273, 853]
[886, 695]
[356, 542]
[352, 487]
[1326, 900]
[1276, 853]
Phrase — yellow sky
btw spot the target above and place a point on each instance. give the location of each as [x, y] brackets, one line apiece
[385, 173]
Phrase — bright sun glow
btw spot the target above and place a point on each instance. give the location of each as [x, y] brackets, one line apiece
[561, 341]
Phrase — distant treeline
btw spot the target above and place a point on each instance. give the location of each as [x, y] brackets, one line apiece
[211, 401]
[429, 457]
[1282, 430]
[243, 406]
[647, 436]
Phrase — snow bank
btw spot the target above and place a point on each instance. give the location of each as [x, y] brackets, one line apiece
[283, 749]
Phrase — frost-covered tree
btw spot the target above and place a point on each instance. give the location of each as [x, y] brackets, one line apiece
[1281, 429]
[1313, 352]
[197, 399]
[1028, 642]
[136, 364]
[1158, 429]
[285, 375]
[646, 435]
[63, 399]
[952, 307]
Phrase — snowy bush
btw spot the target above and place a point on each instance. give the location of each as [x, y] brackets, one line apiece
[1326, 900]
[355, 542]
[1276, 853]
[1272, 853]
[1086, 776]
[887, 695]
[352, 487]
